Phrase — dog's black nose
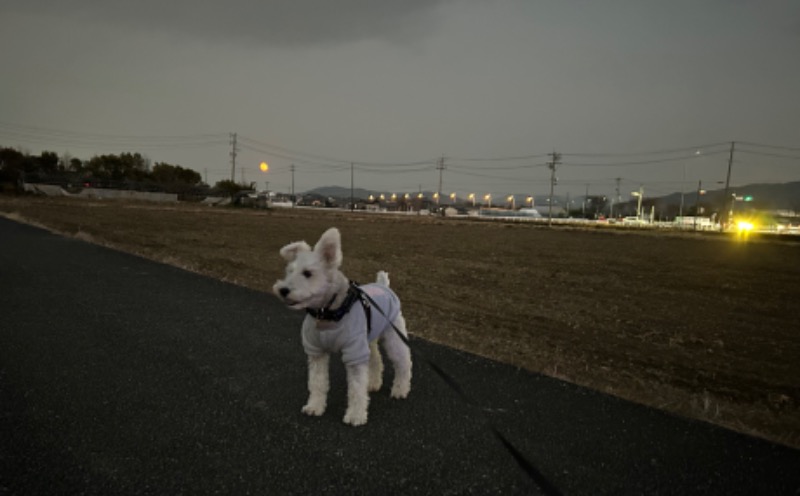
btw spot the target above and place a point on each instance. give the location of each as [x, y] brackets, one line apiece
[284, 292]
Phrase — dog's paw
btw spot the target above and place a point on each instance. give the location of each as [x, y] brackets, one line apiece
[315, 410]
[400, 391]
[375, 385]
[355, 418]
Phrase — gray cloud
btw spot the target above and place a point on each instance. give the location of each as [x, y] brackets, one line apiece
[274, 22]
[461, 78]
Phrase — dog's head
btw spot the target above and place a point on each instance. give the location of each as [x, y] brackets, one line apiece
[311, 275]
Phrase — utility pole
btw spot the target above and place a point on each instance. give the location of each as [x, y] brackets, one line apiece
[680, 210]
[585, 199]
[440, 167]
[352, 195]
[723, 216]
[291, 168]
[234, 150]
[555, 160]
[696, 203]
[617, 199]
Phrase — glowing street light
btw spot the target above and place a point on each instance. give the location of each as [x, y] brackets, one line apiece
[471, 196]
[512, 201]
[453, 197]
[529, 200]
[488, 199]
[264, 168]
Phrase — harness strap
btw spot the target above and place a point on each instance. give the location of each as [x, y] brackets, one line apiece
[366, 302]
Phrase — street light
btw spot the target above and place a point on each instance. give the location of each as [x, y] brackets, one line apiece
[488, 199]
[453, 198]
[529, 200]
[513, 203]
[264, 168]
[639, 194]
[471, 196]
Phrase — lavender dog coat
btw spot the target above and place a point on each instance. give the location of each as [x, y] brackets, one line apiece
[349, 335]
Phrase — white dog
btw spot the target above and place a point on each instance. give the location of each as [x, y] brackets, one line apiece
[341, 319]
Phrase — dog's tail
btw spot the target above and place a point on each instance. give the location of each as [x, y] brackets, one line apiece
[383, 278]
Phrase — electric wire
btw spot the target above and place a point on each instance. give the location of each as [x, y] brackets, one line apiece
[483, 168]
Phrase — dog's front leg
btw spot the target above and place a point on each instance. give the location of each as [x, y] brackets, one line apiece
[318, 385]
[357, 395]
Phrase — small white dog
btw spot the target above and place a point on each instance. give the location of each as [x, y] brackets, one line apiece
[340, 319]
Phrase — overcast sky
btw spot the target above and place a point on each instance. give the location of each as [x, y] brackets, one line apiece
[651, 92]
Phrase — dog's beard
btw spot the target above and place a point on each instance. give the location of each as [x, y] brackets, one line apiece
[295, 305]
[301, 299]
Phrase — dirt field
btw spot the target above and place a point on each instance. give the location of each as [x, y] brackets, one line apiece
[704, 326]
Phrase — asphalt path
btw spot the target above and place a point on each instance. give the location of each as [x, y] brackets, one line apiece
[119, 375]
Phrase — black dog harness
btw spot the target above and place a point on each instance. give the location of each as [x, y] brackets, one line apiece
[354, 294]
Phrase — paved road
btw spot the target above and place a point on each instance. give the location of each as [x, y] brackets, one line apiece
[122, 376]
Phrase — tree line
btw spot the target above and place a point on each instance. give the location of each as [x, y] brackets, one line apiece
[126, 170]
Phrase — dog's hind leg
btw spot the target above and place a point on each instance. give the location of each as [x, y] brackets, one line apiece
[318, 385]
[357, 395]
[375, 367]
[400, 356]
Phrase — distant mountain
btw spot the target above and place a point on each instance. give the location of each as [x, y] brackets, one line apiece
[781, 196]
[340, 192]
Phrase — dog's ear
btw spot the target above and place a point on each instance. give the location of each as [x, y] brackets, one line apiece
[329, 247]
[290, 251]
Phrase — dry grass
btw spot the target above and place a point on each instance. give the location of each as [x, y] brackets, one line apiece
[701, 326]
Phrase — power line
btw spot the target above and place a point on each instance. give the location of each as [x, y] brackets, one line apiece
[50, 136]
[668, 151]
[774, 147]
[767, 154]
[484, 168]
[640, 162]
[502, 159]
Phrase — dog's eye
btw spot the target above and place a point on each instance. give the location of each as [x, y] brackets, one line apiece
[307, 274]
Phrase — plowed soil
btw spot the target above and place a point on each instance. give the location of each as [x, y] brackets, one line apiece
[706, 326]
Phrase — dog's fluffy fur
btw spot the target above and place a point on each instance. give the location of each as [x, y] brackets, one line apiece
[313, 281]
